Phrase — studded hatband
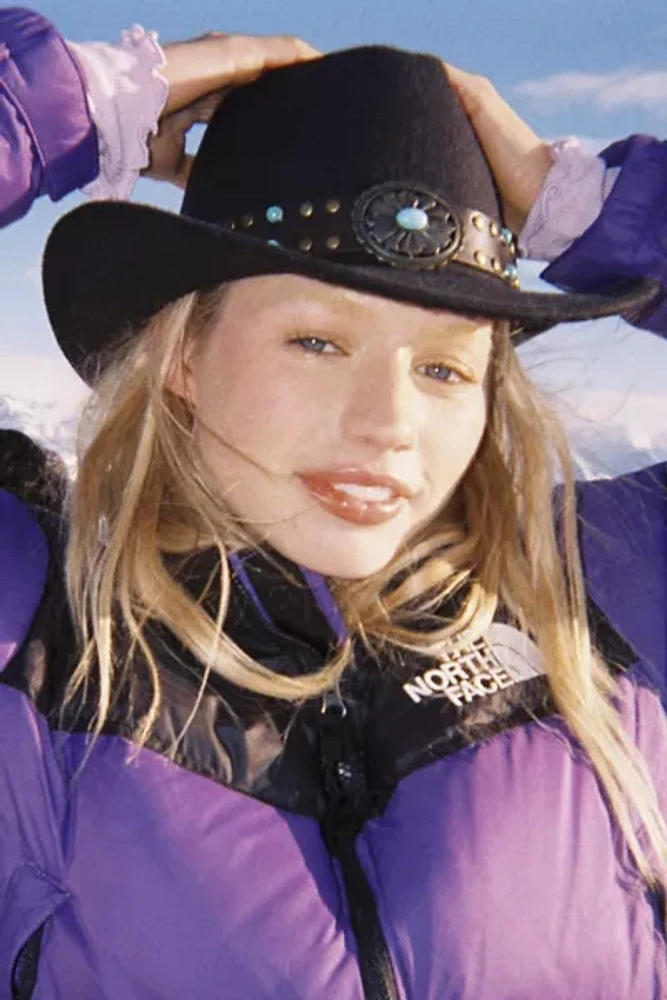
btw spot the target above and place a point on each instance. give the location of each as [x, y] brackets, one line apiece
[403, 225]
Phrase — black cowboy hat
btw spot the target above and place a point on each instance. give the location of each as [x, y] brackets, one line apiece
[359, 169]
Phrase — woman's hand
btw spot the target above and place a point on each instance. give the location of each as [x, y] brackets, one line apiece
[199, 72]
[519, 159]
[168, 159]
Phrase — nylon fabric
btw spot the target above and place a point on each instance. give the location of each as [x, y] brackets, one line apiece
[49, 140]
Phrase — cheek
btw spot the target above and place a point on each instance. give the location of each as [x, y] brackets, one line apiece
[453, 441]
[251, 402]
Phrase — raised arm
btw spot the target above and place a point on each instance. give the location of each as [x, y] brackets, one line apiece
[48, 143]
[628, 238]
[95, 116]
[597, 219]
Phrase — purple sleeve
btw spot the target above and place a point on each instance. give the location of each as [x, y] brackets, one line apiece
[23, 571]
[48, 142]
[629, 237]
[624, 549]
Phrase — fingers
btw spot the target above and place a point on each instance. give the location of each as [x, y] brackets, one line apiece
[298, 45]
[481, 99]
[520, 160]
[168, 159]
[203, 65]
[183, 172]
[474, 91]
[202, 110]
[178, 123]
[291, 44]
[243, 58]
[487, 110]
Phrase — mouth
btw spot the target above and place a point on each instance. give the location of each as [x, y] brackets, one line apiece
[358, 496]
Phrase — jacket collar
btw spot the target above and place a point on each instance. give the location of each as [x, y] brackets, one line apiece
[273, 602]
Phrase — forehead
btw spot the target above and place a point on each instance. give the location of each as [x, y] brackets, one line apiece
[288, 295]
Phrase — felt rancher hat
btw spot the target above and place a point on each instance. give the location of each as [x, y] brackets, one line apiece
[359, 169]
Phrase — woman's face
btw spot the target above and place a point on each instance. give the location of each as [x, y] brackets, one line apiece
[337, 423]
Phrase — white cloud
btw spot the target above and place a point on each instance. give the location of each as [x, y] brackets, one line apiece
[41, 378]
[48, 424]
[624, 88]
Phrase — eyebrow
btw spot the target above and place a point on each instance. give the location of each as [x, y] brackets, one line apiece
[327, 311]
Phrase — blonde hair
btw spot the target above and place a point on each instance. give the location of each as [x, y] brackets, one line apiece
[142, 493]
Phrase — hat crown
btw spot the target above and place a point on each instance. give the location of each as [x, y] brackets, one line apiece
[337, 126]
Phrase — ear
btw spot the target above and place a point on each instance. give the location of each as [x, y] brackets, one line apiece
[181, 378]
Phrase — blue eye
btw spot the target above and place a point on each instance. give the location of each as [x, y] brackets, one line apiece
[441, 373]
[314, 345]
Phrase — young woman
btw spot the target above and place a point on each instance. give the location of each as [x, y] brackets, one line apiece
[319, 704]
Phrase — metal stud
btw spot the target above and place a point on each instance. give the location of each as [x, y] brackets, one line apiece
[333, 242]
[496, 265]
[507, 236]
[230, 224]
[494, 229]
[477, 221]
[481, 258]
[332, 206]
[274, 214]
[247, 220]
[306, 209]
[512, 274]
[305, 244]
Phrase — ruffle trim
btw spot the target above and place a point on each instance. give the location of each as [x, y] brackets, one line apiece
[127, 93]
[570, 201]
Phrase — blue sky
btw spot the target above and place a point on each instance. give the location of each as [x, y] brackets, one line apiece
[596, 68]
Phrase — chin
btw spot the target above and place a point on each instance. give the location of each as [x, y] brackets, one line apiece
[360, 555]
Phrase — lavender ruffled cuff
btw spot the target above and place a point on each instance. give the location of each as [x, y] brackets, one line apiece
[570, 201]
[127, 93]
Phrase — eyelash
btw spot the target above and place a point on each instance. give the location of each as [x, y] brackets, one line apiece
[312, 341]
[458, 378]
[302, 341]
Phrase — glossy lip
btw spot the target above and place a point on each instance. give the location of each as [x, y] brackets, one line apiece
[321, 486]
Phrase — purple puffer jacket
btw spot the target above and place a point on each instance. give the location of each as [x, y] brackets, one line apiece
[48, 143]
[433, 833]
[629, 238]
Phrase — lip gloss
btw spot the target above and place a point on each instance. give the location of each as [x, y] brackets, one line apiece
[356, 510]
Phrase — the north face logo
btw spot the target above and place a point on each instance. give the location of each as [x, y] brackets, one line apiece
[503, 657]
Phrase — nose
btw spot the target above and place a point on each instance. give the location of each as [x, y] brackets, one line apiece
[383, 409]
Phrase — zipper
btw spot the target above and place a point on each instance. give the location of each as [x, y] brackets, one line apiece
[345, 789]
[24, 971]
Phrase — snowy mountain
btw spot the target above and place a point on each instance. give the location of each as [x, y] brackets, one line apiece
[51, 424]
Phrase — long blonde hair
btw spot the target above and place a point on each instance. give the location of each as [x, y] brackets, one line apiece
[143, 493]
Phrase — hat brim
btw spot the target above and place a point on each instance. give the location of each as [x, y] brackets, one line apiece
[109, 266]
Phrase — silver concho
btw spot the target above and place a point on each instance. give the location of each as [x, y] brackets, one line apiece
[407, 226]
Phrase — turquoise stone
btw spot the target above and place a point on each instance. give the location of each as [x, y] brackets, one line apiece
[273, 243]
[413, 219]
[507, 236]
[274, 214]
[511, 272]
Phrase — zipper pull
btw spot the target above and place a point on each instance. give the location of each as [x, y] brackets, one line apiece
[343, 773]
[333, 703]
[332, 743]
